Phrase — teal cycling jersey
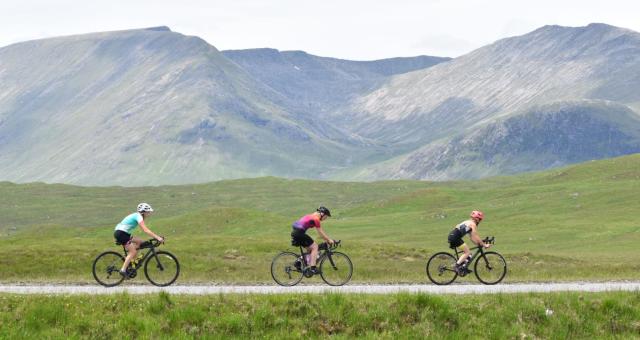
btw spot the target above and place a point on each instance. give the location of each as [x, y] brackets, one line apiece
[130, 223]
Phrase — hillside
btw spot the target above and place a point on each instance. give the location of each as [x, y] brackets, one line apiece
[229, 231]
[144, 107]
[436, 113]
[543, 137]
[550, 64]
[153, 107]
[322, 84]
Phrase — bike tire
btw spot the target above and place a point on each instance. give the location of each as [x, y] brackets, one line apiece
[106, 269]
[162, 268]
[336, 261]
[490, 268]
[284, 271]
[440, 268]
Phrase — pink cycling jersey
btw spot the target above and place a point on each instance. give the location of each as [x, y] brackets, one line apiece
[306, 222]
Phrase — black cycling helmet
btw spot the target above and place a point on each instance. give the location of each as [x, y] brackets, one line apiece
[324, 211]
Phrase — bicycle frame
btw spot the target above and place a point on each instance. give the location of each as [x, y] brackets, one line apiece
[325, 253]
[474, 256]
[152, 251]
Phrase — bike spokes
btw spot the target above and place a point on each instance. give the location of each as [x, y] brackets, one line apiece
[490, 268]
[440, 268]
[162, 268]
[336, 269]
[286, 270]
[106, 269]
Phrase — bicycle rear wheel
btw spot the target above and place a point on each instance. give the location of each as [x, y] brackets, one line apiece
[106, 268]
[440, 268]
[162, 268]
[490, 268]
[284, 270]
[336, 269]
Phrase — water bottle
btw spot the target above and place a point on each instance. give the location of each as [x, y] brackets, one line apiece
[137, 259]
[307, 258]
[298, 262]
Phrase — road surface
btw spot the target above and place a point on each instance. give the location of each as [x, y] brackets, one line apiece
[354, 288]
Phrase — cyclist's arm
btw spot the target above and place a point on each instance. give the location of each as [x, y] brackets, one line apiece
[148, 231]
[475, 237]
[324, 235]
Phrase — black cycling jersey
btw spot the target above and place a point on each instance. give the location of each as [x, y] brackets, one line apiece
[465, 229]
[456, 235]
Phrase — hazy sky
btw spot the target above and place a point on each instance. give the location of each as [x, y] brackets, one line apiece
[351, 29]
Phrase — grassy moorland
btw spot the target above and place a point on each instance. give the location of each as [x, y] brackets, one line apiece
[575, 223]
[404, 316]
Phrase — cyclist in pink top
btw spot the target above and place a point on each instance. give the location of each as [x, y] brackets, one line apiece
[299, 235]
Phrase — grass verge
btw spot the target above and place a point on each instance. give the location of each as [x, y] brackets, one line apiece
[523, 316]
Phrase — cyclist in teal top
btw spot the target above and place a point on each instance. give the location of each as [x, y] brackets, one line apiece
[123, 231]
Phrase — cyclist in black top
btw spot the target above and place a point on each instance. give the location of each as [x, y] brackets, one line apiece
[466, 227]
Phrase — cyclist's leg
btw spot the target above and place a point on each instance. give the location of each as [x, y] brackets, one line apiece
[300, 237]
[313, 249]
[467, 253]
[306, 241]
[456, 242]
[132, 250]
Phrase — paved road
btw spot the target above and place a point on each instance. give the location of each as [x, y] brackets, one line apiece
[369, 289]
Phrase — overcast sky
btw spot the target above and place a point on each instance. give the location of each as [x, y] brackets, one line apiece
[350, 29]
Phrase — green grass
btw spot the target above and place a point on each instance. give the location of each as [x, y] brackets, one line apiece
[576, 223]
[405, 316]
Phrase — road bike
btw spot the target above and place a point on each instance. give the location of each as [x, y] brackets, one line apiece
[490, 267]
[160, 267]
[335, 268]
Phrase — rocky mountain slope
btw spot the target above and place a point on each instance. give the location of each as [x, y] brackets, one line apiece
[151, 106]
[322, 84]
[540, 138]
[435, 114]
[550, 64]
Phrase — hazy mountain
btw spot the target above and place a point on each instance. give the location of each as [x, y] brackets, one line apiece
[550, 64]
[436, 114]
[148, 107]
[319, 83]
[152, 106]
[543, 137]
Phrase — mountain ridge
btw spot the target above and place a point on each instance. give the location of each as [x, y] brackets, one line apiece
[151, 106]
[551, 64]
[532, 140]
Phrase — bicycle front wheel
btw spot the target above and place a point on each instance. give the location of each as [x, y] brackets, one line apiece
[490, 268]
[162, 268]
[106, 269]
[441, 268]
[336, 269]
[284, 270]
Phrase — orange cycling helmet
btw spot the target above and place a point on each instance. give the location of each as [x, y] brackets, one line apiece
[477, 214]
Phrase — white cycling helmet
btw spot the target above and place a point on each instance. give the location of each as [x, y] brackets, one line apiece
[144, 207]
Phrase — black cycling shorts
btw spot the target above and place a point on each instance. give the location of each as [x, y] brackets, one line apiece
[299, 237]
[122, 237]
[455, 238]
